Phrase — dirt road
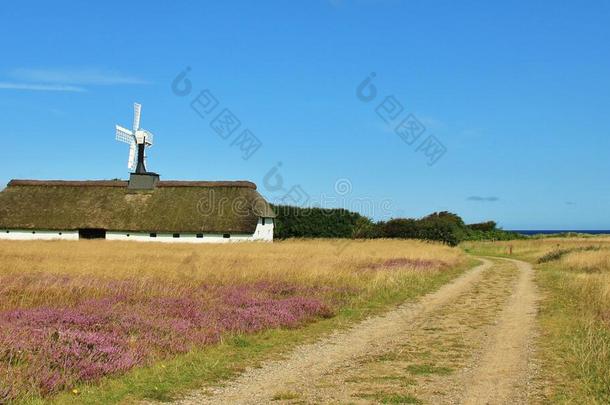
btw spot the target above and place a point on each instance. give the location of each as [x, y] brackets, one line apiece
[469, 342]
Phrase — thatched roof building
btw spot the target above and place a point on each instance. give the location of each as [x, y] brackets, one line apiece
[197, 210]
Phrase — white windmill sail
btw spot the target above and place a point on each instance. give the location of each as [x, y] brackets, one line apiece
[137, 110]
[123, 134]
[131, 163]
[136, 136]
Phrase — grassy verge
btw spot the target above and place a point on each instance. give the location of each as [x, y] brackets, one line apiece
[199, 368]
[574, 345]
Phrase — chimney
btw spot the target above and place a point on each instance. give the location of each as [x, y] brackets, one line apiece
[143, 181]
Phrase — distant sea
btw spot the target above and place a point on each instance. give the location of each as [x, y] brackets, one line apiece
[547, 231]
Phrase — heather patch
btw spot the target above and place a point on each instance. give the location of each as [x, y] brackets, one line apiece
[47, 349]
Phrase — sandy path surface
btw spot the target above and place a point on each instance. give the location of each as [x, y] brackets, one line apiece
[468, 342]
[503, 373]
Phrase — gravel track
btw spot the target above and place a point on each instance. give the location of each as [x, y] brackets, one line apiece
[468, 342]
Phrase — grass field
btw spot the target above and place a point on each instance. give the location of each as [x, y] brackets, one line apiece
[574, 274]
[99, 322]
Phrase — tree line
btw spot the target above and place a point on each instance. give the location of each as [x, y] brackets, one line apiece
[445, 227]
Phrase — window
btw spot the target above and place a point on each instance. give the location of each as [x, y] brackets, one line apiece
[176, 235]
[91, 234]
[128, 235]
[226, 236]
[33, 232]
[263, 221]
[60, 233]
[8, 231]
[153, 235]
[199, 235]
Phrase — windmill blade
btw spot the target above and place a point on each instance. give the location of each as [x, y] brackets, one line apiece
[123, 134]
[131, 163]
[137, 108]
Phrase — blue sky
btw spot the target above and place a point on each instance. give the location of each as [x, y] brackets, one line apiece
[517, 93]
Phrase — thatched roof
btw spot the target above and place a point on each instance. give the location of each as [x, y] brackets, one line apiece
[173, 206]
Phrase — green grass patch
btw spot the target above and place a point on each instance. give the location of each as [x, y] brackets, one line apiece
[391, 398]
[398, 399]
[403, 380]
[285, 396]
[428, 369]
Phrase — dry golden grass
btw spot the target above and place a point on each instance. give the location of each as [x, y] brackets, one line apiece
[590, 274]
[83, 269]
[533, 249]
[596, 260]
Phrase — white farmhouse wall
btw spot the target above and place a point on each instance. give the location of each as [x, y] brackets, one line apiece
[16, 234]
[264, 232]
[169, 238]
[261, 233]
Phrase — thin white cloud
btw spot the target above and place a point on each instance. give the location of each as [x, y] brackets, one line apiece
[484, 199]
[74, 76]
[40, 87]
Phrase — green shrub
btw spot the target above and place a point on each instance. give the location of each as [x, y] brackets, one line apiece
[364, 228]
[559, 253]
[445, 227]
[297, 222]
[488, 226]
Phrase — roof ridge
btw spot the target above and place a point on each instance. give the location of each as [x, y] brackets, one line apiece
[98, 183]
[187, 183]
[124, 183]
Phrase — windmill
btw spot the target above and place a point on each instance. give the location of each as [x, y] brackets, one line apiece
[137, 138]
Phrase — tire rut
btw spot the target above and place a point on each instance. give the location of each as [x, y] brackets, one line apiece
[504, 373]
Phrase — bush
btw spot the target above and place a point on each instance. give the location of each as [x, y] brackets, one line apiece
[484, 226]
[296, 222]
[398, 228]
[445, 227]
[364, 228]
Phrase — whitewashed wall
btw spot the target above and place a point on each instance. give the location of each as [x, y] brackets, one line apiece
[264, 232]
[169, 238]
[261, 233]
[16, 234]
